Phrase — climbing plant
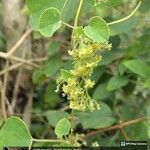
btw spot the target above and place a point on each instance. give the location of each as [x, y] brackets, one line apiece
[87, 77]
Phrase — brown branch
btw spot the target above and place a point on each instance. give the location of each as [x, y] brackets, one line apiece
[8, 55]
[19, 42]
[27, 110]
[24, 61]
[3, 55]
[115, 127]
[9, 108]
[16, 89]
[16, 86]
[16, 46]
[3, 107]
[124, 134]
[3, 91]
[13, 67]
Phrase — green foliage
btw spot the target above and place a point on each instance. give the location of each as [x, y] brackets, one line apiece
[51, 98]
[54, 116]
[116, 82]
[36, 9]
[15, 133]
[65, 75]
[40, 10]
[53, 48]
[38, 76]
[138, 67]
[47, 28]
[101, 92]
[120, 78]
[94, 120]
[97, 30]
[52, 66]
[62, 127]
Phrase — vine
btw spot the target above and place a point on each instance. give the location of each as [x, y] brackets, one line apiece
[87, 44]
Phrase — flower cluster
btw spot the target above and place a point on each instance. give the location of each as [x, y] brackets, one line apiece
[77, 94]
[86, 57]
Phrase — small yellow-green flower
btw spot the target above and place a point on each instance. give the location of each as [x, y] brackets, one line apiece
[86, 57]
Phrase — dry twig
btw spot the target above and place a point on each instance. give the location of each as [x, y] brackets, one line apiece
[115, 127]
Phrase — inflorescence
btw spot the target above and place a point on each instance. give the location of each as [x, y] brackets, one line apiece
[85, 58]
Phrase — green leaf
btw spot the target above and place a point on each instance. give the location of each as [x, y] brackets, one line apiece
[51, 98]
[97, 30]
[79, 31]
[140, 46]
[147, 83]
[38, 76]
[101, 92]
[109, 56]
[62, 127]
[15, 133]
[116, 82]
[68, 9]
[96, 119]
[65, 75]
[53, 48]
[139, 67]
[52, 66]
[54, 116]
[125, 112]
[38, 7]
[49, 22]
[98, 72]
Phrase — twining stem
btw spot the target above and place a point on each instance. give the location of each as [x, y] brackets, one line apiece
[68, 25]
[47, 140]
[127, 17]
[72, 45]
[78, 13]
[76, 21]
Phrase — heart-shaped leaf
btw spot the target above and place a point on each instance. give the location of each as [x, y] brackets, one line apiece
[14, 133]
[97, 30]
[62, 127]
[49, 22]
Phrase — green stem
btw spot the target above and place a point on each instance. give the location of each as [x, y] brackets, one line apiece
[127, 17]
[78, 13]
[76, 22]
[30, 146]
[47, 140]
[68, 25]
